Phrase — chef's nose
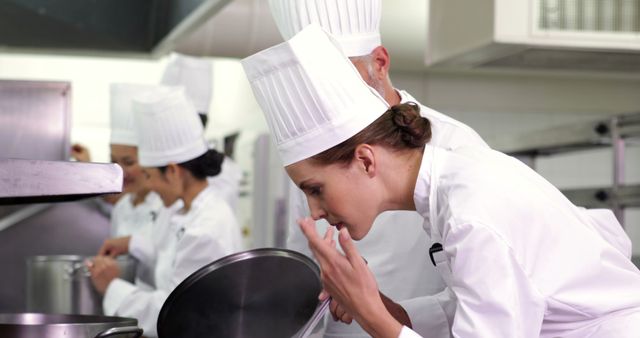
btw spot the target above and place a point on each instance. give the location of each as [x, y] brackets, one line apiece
[317, 212]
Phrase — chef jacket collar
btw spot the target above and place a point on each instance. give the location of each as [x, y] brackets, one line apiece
[422, 191]
[405, 97]
[199, 201]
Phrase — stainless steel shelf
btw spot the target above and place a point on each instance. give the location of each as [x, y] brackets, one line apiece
[616, 132]
[36, 181]
[605, 197]
[574, 137]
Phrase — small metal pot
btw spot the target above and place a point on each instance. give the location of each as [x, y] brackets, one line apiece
[39, 325]
[62, 284]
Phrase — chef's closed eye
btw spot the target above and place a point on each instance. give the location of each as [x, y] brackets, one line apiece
[129, 162]
[314, 190]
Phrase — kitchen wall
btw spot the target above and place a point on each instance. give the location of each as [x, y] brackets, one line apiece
[90, 78]
[497, 105]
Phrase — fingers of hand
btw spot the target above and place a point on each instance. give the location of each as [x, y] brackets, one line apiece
[112, 247]
[102, 265]
[323, 295]
[346, 318]
[105, 248]
[328, 235]
[96, 266]
[339, 313]
[88, 263]
[321, 247]
[350, 250]
[333, 307]
[308, 227]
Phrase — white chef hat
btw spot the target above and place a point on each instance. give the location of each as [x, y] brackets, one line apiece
[313, 98]
[194, 74]
[354, 24]
[122, 94]
[168, 127]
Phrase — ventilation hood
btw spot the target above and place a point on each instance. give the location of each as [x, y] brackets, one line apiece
[584, 35]
[100, 27]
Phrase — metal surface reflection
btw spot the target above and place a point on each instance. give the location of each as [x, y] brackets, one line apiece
[258, 293]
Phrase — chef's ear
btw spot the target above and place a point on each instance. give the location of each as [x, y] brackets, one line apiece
[365, 158]
[381, 62]
[172, 171]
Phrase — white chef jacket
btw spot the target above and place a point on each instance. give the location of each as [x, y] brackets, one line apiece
[127, 219]
[398, 258]
[180, 244]
[523, 260]
[227, 183]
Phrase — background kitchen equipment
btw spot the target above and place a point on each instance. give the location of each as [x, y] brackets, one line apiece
[38, 325]
[62, 284]
[35, 125]
[257, 293]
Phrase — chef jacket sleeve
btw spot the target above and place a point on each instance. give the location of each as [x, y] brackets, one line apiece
[126, 300]
[141, 247]
[495, 296]
[196, 247]
[432, 316]
[408, 333]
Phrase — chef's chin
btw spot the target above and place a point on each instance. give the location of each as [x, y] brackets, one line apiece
[358, 235]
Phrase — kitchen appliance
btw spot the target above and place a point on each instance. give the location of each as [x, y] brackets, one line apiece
[62, 284]
[264, 292]
[34, 147]
[35, 138]
[38, 325]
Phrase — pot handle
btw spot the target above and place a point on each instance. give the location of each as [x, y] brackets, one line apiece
[121, 330]
[318, 314]
[72, 269]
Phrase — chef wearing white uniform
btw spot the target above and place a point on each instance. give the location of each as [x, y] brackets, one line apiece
[355, 27]
[528, 240]
[522, 260]
[195, 228]
[195, 75]
[395, 257]
[138, 207]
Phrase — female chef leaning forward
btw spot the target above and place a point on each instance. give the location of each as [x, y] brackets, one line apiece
[521, 259]
[195, 228]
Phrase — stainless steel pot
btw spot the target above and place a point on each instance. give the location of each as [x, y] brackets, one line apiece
[39, 325]
[62, 284]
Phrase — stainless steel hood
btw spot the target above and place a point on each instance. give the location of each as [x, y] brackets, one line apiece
[35, 181]
[118, 27]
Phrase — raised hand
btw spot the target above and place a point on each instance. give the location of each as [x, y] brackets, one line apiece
[348, 280]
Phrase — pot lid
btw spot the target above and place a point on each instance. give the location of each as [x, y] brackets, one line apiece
[257, 293]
